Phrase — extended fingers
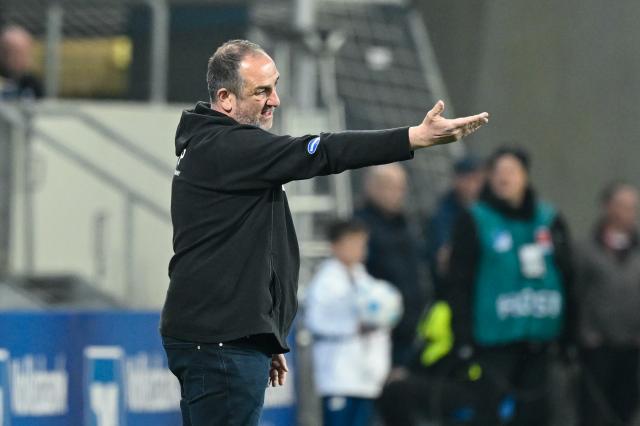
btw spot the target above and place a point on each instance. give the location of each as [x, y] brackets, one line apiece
[473, 126]
[471, 120]
[467, 125]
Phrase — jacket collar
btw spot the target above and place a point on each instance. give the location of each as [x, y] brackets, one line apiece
[523, 212]
[204, 108]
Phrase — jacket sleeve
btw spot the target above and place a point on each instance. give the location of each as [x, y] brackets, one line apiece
[463, 265]
[248, 157]
[563, 257]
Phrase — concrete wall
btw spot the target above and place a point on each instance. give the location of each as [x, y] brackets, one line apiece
[79, 220]
[560, 78]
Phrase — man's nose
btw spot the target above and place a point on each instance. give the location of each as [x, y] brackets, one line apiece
[274, 100]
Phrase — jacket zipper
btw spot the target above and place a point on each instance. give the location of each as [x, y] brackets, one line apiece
[273, 277]
[273, 200]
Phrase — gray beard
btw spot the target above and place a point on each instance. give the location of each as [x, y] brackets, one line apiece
[243, 118]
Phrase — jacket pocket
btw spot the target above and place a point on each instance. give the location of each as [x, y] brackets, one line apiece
[185, 362]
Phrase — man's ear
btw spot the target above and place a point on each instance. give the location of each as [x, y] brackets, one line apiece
[226, 100]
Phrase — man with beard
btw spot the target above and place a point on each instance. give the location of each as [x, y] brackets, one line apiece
[234, 273]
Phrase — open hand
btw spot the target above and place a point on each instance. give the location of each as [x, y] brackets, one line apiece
[278, 371]
[437, 130]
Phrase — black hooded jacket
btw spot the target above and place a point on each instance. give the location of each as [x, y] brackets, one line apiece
[234, 272]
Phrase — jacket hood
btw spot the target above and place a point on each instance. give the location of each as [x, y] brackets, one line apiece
[196, 119]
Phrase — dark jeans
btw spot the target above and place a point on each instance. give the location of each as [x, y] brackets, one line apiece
[221, 384]
[609, 385]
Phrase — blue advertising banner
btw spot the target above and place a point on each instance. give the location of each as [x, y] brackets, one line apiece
[97, 369]
[5, 411]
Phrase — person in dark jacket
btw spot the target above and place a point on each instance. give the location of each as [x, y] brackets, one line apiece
[393, 251]
[468, 180]
[608, 293]
[509, 288]
[233, 277]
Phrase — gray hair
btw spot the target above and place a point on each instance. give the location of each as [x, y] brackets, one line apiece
[222, 69]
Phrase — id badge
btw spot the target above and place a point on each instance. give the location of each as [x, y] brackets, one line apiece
[532, 263]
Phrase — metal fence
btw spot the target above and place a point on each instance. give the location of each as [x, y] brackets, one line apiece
[86, 36]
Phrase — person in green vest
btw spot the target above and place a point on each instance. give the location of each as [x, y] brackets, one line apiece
[486, 346]
[509, 289]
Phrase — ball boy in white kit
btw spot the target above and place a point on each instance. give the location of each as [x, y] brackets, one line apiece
[350, 315]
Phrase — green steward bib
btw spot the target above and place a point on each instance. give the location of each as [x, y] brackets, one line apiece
[518, 295]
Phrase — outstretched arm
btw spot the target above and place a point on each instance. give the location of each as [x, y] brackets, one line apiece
[247, 157]
[437, 130]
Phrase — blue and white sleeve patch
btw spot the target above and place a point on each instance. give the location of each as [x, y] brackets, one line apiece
[312, 146]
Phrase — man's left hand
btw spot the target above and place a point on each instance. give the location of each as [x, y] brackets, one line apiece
[278, 372]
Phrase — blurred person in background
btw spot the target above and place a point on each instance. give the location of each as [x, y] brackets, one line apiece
[16, 65]
[468, 178]
[393, 251]
[351, 353]
[608, 291]
[508, 288]
[436, 385]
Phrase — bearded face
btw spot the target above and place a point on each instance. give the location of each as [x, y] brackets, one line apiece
[258, 97]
